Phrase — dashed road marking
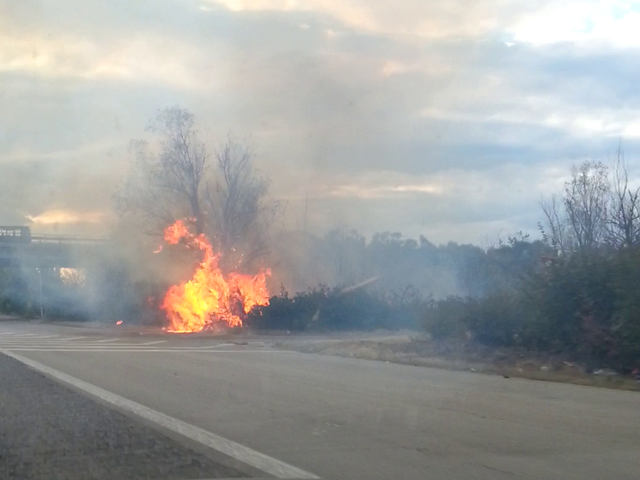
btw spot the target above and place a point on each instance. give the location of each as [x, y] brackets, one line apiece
[33, 342]
[218, 345]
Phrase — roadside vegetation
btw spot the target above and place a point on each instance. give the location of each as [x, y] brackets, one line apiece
[571, 298]
[573, 294]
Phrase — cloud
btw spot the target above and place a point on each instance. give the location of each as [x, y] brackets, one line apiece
[56, 217]
[592, 23]
[408, 17]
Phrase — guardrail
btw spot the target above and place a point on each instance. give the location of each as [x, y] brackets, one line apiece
[66, 239]
[21, 235]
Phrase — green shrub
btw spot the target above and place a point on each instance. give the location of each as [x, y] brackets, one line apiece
[324, 309]
[494, 320]
[586, 305]
[447, 318]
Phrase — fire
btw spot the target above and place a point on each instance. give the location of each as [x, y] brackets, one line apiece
[119, 322]
[210, 297]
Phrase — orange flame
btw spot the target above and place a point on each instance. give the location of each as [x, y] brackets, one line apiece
[210, 297]
[119, 322]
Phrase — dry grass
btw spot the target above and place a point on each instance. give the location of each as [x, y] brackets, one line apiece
[424, 353]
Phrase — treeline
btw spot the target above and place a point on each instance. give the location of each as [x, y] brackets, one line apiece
[575, 293]
[404, 281]
[400, 266]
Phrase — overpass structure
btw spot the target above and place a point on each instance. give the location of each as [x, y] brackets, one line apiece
[20, 248]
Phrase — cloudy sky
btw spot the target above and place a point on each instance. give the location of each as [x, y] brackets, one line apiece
[449, 119]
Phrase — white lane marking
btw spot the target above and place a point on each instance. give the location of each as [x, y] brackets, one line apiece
[216, 346]
[55, 340]
[107, 340]
[68, 345]
[7, 333]
[27, 335]
[246, 455]
[54, 343]
[115, 346]
[47, 336]
[30, 348]
[15, 343]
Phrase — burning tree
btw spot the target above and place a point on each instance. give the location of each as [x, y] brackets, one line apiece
[230, 211]
[239, 211]
[179, 176]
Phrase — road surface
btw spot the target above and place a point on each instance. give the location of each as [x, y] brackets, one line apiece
[302, 415]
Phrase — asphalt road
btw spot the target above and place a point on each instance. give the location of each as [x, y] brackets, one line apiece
[50, 432]
[354, 419]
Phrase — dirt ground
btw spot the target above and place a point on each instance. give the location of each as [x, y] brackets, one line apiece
[414, 349]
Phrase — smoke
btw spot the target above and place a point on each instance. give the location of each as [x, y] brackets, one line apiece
[61, 197]
[387, 263]
[362, 121]
[362, 284]
[352, 117]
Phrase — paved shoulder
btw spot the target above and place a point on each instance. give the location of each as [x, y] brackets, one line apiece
[48, 431]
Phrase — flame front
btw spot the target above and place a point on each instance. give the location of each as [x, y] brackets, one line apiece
[209, 297]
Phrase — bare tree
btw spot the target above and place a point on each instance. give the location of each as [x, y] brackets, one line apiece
[554, 231]
[240, 212]
[223, 192]
[166, 185]
[183, 157]
[585, 200]
[624, 218]
[580, 219]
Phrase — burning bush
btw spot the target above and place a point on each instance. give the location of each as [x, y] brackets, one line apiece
[210, 297]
